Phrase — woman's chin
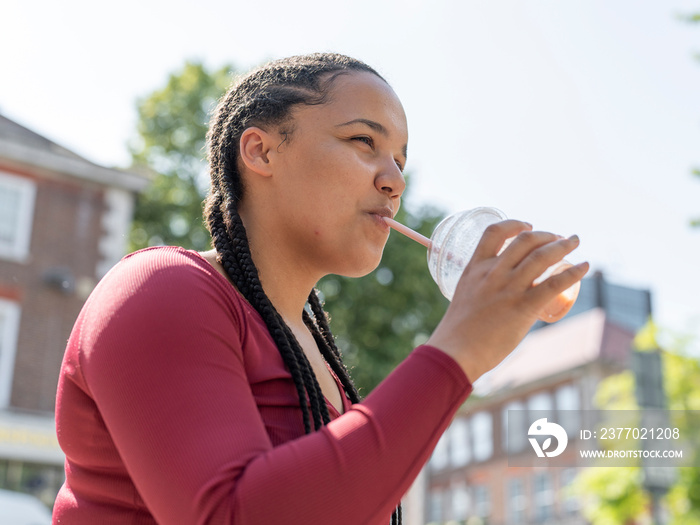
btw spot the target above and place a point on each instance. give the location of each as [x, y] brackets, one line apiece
[360, 268]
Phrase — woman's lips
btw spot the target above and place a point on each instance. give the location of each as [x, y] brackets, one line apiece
[379, 220]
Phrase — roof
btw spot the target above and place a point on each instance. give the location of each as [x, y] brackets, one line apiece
[20, 144]
[581, 339]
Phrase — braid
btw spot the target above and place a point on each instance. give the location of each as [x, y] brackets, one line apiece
[245, 276]
[266, 97]
[326, 342]
[225, 251]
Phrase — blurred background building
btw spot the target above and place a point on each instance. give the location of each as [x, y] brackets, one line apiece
[556, 368]
[63, 223]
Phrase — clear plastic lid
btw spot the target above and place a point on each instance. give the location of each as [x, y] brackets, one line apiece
[454, 242]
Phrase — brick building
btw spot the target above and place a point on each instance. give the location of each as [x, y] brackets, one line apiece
[555, 369]
[63, 224]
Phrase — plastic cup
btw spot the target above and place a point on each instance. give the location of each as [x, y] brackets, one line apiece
[453, 243]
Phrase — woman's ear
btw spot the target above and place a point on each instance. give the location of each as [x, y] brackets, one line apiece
[255, 146]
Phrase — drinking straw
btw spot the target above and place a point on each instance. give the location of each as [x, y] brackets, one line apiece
[408, 232]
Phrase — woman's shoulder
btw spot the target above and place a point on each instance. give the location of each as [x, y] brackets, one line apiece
[167, 278]
[162, 264]
[158, 258]
[166, 293]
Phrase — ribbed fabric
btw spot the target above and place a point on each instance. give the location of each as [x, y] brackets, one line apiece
[174, 407]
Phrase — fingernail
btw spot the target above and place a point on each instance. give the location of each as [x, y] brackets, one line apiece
[574, 238]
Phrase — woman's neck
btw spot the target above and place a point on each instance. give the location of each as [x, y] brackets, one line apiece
[284, 274]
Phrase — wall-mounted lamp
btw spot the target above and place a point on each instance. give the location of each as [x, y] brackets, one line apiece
[60, 278]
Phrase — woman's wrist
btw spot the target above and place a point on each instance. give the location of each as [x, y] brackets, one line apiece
[460, 354]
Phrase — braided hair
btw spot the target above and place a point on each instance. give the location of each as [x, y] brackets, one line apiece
[264, 97]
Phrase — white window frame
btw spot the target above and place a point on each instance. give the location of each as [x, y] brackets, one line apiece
[19, 250]
[460, 443]
[9, 328]
[482, 433]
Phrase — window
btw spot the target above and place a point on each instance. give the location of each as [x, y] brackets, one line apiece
[16, 212]
[568, 405]
[440, 457]
[482, 434]
[540, 405]
[9, 326]
[515, 427]
[540, 402]
[460, 501]
[435, 502]
[460, 451]
[567, 398]
[543, 497]
[482, 501]
[516, 501]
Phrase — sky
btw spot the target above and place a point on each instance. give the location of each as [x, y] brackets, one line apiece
[579, 116]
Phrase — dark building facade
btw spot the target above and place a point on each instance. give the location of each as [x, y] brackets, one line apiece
[63, 223]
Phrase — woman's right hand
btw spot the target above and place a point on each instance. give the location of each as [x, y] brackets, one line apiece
[495, 303]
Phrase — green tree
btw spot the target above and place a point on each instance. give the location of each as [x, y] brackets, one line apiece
[615, 495]
[378, 318]
[170, 142]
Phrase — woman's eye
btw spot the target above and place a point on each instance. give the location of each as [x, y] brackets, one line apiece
[366, 140]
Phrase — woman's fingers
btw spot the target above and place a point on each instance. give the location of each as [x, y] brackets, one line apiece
[495, 235]
[524, 243]
[556, 284]
[527, 255]
[542, 256]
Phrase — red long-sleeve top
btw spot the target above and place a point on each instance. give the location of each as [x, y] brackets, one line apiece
[174, 407]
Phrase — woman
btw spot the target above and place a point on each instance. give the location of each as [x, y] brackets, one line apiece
[207, 388]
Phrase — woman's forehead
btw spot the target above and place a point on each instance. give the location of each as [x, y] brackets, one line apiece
[361, 96]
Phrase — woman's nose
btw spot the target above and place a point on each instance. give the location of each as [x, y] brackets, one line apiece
[390, 180]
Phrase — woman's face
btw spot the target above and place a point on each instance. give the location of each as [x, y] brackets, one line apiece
[338, 172]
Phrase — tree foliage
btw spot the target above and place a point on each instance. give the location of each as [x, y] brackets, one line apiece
[377, 319]
[171, 133]
[615, 495]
